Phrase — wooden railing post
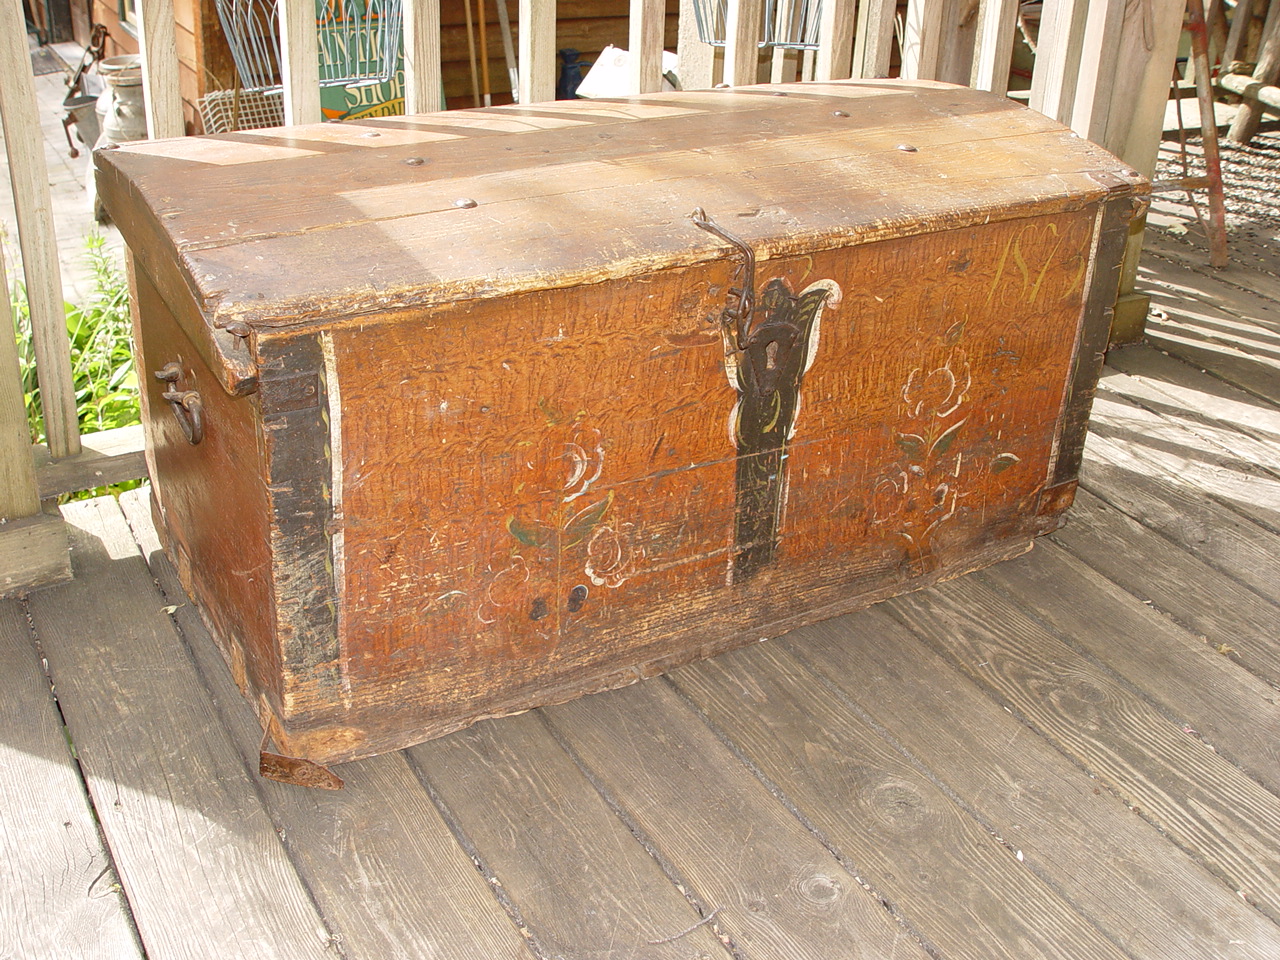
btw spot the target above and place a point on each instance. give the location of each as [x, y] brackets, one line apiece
[1099, 68]
[993, 47]
[159, 46]
[648, 19]
[1140, 74]
[921, 35]
[835, 52]
[1053, 83]
[537, 51]
[742, 41]
[33, 544]
[422, 81]
[300, 66]
[873, 46]
[697, 59]
[29, 174]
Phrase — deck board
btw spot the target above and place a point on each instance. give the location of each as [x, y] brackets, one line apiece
[776, 890]
[1197, 797]
[1230, 618]
[1155, 899]
[1069, 755]
[940, 870]
[194, 848]
[60, 893]
[1185, 678]
[582, 884]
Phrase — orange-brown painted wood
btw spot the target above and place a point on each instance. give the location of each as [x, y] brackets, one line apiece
[559, 435]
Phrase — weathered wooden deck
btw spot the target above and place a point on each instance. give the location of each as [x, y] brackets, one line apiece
[1072, 755]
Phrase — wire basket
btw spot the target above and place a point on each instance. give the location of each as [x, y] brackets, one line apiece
[358, 40]
[789, 24]
[225, 111]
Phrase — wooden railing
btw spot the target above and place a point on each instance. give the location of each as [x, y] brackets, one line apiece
[1103, 67]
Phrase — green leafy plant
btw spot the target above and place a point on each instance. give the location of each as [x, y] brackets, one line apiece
[102, 367]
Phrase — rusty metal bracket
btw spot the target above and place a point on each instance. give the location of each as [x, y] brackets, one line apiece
[738, 312]
[295, 770]
[187, 406]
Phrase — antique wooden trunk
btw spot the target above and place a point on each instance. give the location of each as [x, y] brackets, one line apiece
[459, 414]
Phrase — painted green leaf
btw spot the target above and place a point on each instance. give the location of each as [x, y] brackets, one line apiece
[580, 525]
[947, 437]
[911, 444]
[531, 534]
[954, 333]
[1003, 462]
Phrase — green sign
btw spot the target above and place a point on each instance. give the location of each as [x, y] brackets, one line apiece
[353, 48]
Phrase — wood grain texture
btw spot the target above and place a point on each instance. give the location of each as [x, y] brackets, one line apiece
[846, 182]
[993, 46]
[835, 33]
[537, 39]
[1185, 452]
[463, 507]
[742, 33]
[1147, 49]
[299, 62]
[1053, 81]
[1156, 900]
[60, 897]
[1229, 617]
[584, 887]
[159, 51]
[188, 833]
[363, 851]
[33, 554]
[1187, 679]
[408, 615]
[19, 496]
[105, 457]
[226, 536]
[873, 40]
[645, 44]
[1221, 537]
[1224, 417]
[922, 38]
[779, 892]
[1173, 269]
[1090, 109]
[29, 177]
[1199, 799]
[423, 86]
[697, 59]
[1232, 338]
[941, 871]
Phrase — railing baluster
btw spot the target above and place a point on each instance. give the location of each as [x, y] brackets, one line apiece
[1098, 68]
[18, 493]
[835, 52]
[158, 43]
[29, 173]
[874, 45]
[921, 34]
[422, 90]
[742, 41]
[300, 61]
[697, 59]
[1053, 83]
[537, 30]
[993, 47]
[648, 18]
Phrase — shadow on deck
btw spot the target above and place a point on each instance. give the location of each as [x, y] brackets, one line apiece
[1070, 755]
